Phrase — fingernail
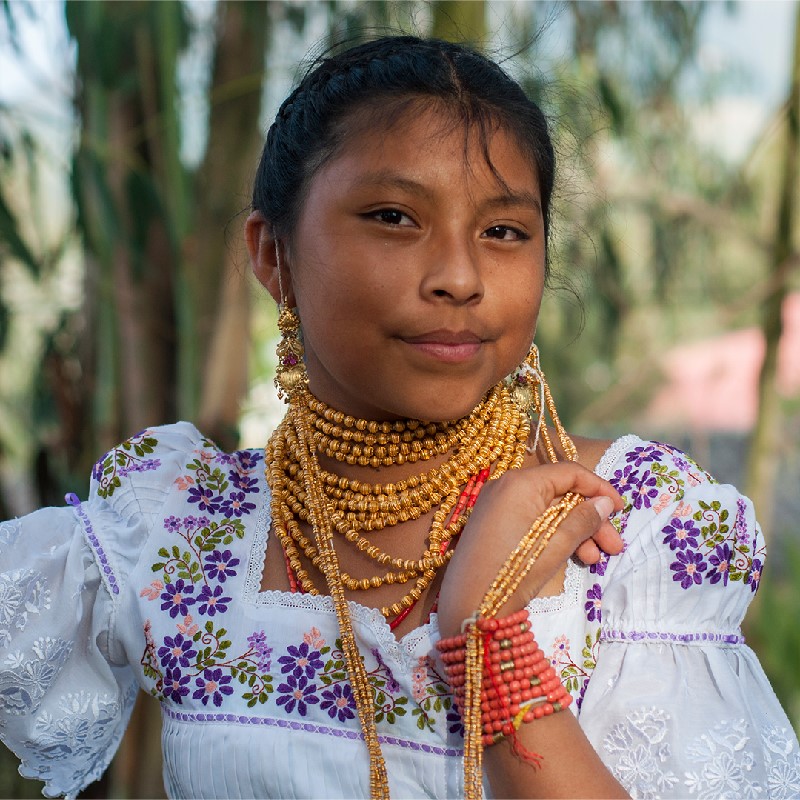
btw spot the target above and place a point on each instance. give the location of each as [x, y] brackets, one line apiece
[603, 506]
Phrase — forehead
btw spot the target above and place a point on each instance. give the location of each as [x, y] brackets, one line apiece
[419, 136]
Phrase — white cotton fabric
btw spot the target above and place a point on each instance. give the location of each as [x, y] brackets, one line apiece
[649, 642]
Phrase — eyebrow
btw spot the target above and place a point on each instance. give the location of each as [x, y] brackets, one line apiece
[391, 179]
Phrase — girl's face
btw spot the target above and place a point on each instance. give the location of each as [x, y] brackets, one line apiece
[416, 273]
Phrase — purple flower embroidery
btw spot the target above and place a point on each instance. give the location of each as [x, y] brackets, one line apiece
[172, 524]
[623, 478]
[680, 534]
[248, 459]
[681, 463]
[176, 651]
[258, 642]
[339, 702]
[243, 482]
[297, 691]
[235, 505]
[175, 684]
[601, 566]
[740, 533]
[301, 660]
[720, 561]
[392, 686]
[643, 455]
[211, 601]
[646, 491]
[688, 568]
[220, 566]
[195, 522]
[205, 499]
[213, 684]
[594, 597]
[454, 722]
[97, 469]
[177, 598]
[754, 576]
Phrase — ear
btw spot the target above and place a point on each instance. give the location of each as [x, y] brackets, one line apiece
[263, 249]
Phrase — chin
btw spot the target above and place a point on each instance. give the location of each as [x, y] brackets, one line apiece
[446, 406]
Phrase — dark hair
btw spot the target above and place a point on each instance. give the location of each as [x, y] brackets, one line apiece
[382, 77]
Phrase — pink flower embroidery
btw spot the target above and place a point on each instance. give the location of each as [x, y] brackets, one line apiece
[183, 482]
[419, 677]
[662, 503]
[189, 627]
[683, 510]
[313, 639]
[560, 646]
[153, 591]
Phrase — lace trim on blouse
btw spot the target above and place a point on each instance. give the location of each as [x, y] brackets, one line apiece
[615, 450]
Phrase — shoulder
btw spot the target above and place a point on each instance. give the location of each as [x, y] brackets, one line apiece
[164, 459]
[692, 545]
[140, 486]
[146, 459]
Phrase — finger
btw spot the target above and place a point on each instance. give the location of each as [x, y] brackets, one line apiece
[569, 477]
[608, 539]
[588, 552]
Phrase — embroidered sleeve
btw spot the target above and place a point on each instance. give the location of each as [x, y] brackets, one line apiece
[66, 689]
[63, 705]
[678, 705]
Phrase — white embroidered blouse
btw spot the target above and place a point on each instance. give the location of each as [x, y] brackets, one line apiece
[154, 584]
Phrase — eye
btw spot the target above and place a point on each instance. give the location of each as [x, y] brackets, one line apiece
[505, 233]
[391, 216]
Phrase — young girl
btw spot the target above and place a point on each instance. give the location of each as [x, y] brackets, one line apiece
[329, 617]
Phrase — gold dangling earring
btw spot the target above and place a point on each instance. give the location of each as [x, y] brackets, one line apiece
[529, 390]
[290, 371]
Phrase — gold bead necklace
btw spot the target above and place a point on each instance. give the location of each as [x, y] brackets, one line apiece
[492, 437]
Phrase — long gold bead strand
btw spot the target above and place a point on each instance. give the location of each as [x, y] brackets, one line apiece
[379, 781]
[511, 574]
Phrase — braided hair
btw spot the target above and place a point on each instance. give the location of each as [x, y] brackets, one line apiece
[383, 78]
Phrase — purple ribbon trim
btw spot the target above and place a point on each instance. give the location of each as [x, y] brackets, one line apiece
[309, 727]
[73, 500]
[661, 636]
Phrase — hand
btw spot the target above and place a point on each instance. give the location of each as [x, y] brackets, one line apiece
[503, 514]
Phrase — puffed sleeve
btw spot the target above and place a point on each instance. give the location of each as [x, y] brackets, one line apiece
[678, 705]
[66, 690]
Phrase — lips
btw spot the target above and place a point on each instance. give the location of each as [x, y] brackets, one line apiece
[444, 337]
[452, 347]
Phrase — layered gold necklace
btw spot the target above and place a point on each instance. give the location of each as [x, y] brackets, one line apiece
[492, 438]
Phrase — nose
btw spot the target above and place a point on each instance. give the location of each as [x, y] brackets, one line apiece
[453, 273]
